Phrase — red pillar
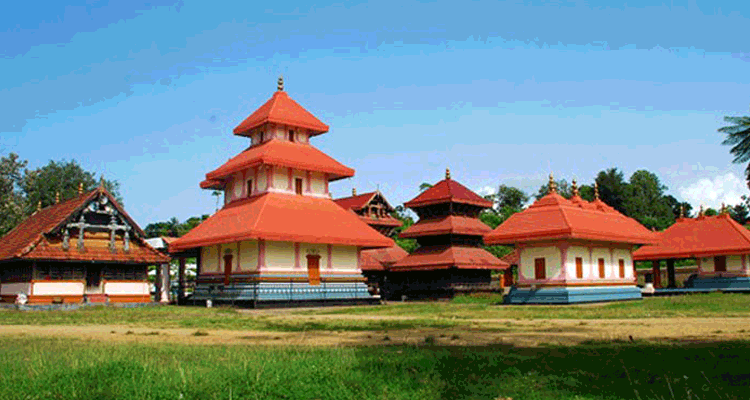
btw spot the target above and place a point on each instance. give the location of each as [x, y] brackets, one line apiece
[657, 276]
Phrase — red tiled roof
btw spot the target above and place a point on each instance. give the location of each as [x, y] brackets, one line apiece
[554, 217]
[443, 257]
[698, 237]
[450, 224]
[281, 109]
[387, 221]
[447, 191]
[355, 202]
[32, 238]
[511, 258]
[381, 259]
[284, 154]
[282, 217]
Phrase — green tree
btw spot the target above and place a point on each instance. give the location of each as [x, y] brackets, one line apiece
[404, 215]
[12, 201]
[738, 136]
[710, 212]
[424, 186]
[563, 189]
[613, 189]
[678, 206]
[508, 196]
[646, 202]
[586, 192]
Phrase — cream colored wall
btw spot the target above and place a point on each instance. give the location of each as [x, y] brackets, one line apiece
[707, 264]
[281, 178]
[552, 260]
[238, 184]
[262, 175]
[570, 264]
[307, 248]
[132, 288]
[248, 255]
[279, 255]
[318, 183]
[299, 174]
[209, 260]
[53, 288]
[15, 288]
[626, 256]
[344, 258]
[734, 263]
[596, 254]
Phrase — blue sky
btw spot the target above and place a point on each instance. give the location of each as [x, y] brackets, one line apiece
[501, 92]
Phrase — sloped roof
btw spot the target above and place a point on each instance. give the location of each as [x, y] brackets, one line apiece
[699, 237]
[450, 224]
[381, 259]
[281, 153]
[448, 191]
[554, 217]
[32, 239]
[281, 109]
[282, 217]
[511, 258]
[443, 257]
[355, 202]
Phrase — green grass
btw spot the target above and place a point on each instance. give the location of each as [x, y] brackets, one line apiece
[72, 369]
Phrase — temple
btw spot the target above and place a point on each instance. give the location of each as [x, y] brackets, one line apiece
[572, 251]
[279, 236]
[720, 245]
[374, 210]
[449, 234]
[85, 249]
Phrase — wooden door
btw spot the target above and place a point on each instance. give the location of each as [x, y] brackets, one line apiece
[720, 263]
[622, 268]
[601, 268]
[579, 267]
[298, 185]
[227, 268]
[313, 269]
[540, 269]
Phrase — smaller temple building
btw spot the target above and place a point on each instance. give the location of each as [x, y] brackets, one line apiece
[373, 209]
[85, 249]
[718, 243]
[450, 254]
[571, 251]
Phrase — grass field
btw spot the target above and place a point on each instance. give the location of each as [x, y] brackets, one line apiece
[74, 369]
[461, 311]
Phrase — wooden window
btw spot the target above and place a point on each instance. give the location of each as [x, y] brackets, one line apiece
[540, 269]
[249, 187]
[579, 267]
[601, 268]
[720, 263]
[622, 268]
[298, 185]
[291, 135]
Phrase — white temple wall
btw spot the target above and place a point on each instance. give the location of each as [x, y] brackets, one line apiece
[313, 248]
[129, 288]
[596, 254]
[281, 178]
[627, 257]
[570, 264]
[279, 255]
[262, 181]
[53, 288]
[552, 260]
[248, 257]
[209, 260]
[318, 183]
[344, 258]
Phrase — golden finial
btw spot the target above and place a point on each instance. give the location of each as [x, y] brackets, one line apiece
[101, 181]
[700, 212]
[575, 187]
[447, 173]
[80, 188]
[39, 206]
[280, 84]
[552, 185]
[57, 197]
[723, 208]
[596, 191]
[682, 210]
[354, 191]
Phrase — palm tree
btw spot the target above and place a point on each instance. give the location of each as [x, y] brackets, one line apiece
[424, 186]
[738, 136]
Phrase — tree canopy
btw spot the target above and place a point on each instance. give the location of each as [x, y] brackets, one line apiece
[738, 136]
[173, 227]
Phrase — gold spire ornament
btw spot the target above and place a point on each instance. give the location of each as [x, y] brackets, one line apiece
[700, 212]
[447, 173]
[552, 184]
[280, 84]
[682, 211]
[80, 188]
[575, 187]
[39, 206]
[354, 191]
[596, 191]
[723, 208]
[57, 197]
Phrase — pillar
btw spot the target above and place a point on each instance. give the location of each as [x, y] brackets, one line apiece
[508, 277]
[670, 274]
[157, 283]
[181, 281]
[657, 276]
[165, 284]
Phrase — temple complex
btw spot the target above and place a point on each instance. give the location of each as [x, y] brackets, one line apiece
[375, 211]
[572, 251]
[720, 245]
[449, 234]
[279, 236]
[84, 249]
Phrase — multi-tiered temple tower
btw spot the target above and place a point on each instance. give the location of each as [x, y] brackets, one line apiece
[279, 236]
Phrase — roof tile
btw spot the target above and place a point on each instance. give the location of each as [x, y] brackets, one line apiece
[281, 109]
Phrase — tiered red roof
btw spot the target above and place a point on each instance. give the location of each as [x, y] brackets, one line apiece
[282, 217]
[34, 238]
[700, 237]
[450, 224]
[448, 191]
[554, 217]
[447, 256]
[281, 109]
[381, 259]
[511, 258]
[283, 154]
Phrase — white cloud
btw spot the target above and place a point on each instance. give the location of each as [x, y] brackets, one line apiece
[484, 191]
[726, 189]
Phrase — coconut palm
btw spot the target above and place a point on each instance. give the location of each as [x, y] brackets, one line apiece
[738, 136]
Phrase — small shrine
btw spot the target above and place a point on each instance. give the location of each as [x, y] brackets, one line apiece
[718, 243]
[374, 210]
[84, 249]
[571, 251]
[279, 237]
[450, 256]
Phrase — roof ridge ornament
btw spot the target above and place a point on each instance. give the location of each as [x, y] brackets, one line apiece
[596, 191]
[552, 184]
[80, 188]
[682, 210]
[700, 212]
[575, 188]
[39, 206]
[280, 84]
[57, 197]
[354, 191]
[723, 208]
[447, 173]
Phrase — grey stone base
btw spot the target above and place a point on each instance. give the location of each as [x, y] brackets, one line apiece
[569, 295]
